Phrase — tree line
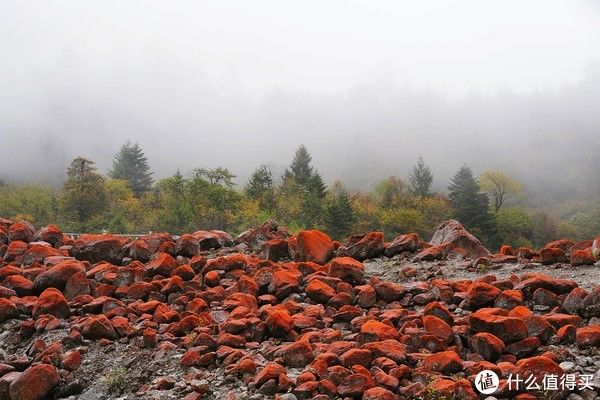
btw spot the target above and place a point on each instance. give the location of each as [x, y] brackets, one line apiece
[129, 200]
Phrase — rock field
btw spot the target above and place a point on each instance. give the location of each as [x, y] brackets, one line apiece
[270, 315]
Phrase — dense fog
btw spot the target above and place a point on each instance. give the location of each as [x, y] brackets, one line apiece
[367, 88]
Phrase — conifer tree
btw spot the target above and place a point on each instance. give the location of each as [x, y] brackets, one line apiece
[470, 206]
[316, 186]
[300, 167]
[131, 164]
[420, 179]
[315, 191]
[339, 216]
[260, 187]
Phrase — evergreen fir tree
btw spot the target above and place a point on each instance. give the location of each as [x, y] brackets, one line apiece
[315, 191]
[131, 164]
[316, 185]
[339, 216]
[260, 187]
[470, 207]
[420, 179]
[300, 168]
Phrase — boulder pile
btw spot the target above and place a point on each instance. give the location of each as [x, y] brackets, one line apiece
[284, 316]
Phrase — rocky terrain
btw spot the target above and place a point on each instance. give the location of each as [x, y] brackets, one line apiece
[273, 315]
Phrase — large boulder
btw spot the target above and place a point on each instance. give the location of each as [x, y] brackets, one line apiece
[402, 243]
[362, 247]
[255, 238]
[22, 230]
[58, 275]
[312, 246]
[50, 234]
[96, 248]
[52, 302]
[38, 252]
[453, 233]
[145, 247]
[35, 383]
[213, 239]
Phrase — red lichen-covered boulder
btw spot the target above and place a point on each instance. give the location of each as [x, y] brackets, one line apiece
[22, 231]
[378, 393]
[439, 328]
[530, 285]
[552, 255]
[353, 385]
[275, 249]
[98, 327]
[362, 247]
[525, 252]
[8, 310]
[213, 239]
[590, 305]
[187, 245]
[480, 295]
[35, 383]
[453, 233]
[564, 244]
[388, 348]
[311, 245]
[488, 346]
[144, 247]
[38, 252]
[52, 302]
[280, 323]
[377, 331]
[50, 234]
[347, 269]
[270, 371]
[408, 242]
[538, 367]
[58, 275]
[96, 248]
[15, 250]
[496, 322]
[588, 336]
[319, 291]
[21, 285]
[446, 362]
[269, 230]
[582, 257]
[162, 264]
[433, 253]
[296, 355]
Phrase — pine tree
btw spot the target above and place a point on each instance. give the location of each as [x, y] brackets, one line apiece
[260, 187]
[131, 164]
[84, 192]
[260, 182]
[300, 168]
[420, 179]
[315, 191]
[316, 185]
[339, 216]
[470, 206]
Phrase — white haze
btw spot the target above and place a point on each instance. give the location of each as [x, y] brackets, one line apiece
[367, 86]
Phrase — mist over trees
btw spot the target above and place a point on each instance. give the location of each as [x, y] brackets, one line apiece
[545, 139]
[489, 205]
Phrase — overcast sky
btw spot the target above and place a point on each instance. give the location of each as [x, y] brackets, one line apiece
[237, 83]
